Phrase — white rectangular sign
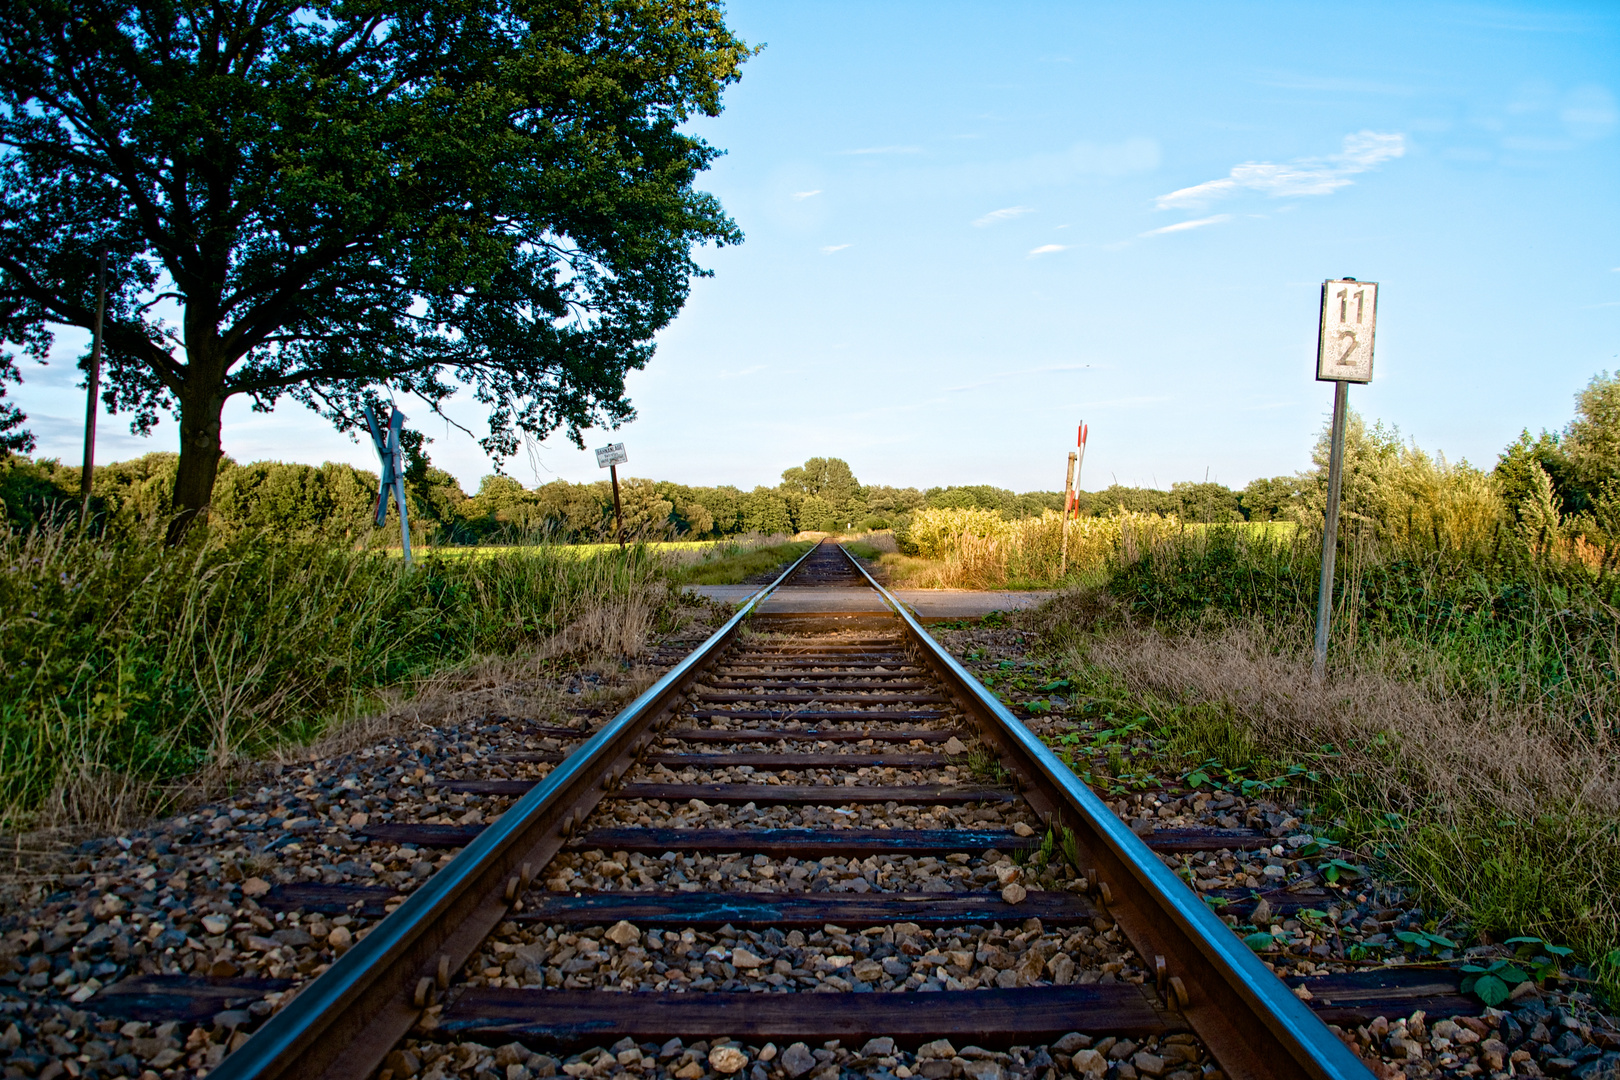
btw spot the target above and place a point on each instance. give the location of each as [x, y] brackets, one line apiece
[1344, 351]
[611, 454]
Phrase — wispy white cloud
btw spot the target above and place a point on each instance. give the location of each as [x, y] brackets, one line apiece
[806, 194]
[1183, 226]
[1590, 112]
[1330, 85]
[1004, 214]
[1086, 159]
[1303, 176]
[832, 248]
[1000, 375]
[1047, 249]
[885, 150]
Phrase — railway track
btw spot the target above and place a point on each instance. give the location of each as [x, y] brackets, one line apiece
[809, 802]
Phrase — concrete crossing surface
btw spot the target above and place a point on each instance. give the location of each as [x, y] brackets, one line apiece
[929, 605]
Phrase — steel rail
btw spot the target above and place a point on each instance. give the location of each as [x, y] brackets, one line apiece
[344, 1022]
[1251, 1023]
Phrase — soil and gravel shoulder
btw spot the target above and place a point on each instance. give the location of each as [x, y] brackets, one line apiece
[1554, 1027]
[81, 909]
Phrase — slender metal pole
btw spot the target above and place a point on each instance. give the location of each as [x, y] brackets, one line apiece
[1068, 504]
[86, 473]
[1330, 529]
[404, 518]
[396, 455]
[618, 513]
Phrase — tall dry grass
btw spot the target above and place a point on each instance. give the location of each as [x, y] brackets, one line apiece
[1503, 813]
[979, 549]
[125, 665]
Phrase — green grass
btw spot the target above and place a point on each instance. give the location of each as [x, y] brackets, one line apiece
[125, 659]
[734, 564]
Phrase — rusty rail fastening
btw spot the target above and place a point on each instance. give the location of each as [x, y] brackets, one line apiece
[346, 1021]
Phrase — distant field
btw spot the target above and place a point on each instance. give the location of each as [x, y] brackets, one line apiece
[480, 551]
[689, 562]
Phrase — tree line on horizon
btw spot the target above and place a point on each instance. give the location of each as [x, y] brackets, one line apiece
[335, 500]
[1562, 484]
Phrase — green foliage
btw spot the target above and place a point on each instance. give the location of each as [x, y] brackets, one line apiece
[1525, 460]
[1592, 441]
[765, 511]
[1493, 983]
[1278, 498]
[1206, 502]
[339, 199]
[1009, 505]
[832, 486]
[1117, 499]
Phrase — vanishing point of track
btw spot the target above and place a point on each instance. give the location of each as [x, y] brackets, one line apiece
[867, 695]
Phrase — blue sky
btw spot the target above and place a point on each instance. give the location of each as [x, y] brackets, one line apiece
[971, 226]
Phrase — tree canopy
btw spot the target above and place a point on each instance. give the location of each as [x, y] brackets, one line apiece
[340, 201]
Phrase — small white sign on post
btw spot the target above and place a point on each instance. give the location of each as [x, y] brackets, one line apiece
[1344, 355]
[611, 454]
[1344, 351]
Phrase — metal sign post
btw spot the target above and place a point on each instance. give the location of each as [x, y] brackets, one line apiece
[1344, 354]
[610, 457]
[94, 387]
[392, 479]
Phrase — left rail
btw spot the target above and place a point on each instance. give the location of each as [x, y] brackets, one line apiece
[344, 1023]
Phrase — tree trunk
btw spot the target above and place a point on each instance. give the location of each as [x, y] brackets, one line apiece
[199, 462]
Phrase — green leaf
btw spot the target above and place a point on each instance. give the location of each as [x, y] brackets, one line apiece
[1260, 942]
[1333, 868]
[1559, 950]
[1491, 990]
[1197, 778]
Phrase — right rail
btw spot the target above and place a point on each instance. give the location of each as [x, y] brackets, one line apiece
[1251, 1022]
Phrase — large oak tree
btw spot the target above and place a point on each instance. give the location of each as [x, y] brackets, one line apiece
[333, 201]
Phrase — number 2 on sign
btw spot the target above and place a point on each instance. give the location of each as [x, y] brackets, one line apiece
[1348, 338]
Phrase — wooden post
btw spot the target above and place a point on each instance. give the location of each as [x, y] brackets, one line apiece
[618, 511]
[1068, 504]
[94, 389]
